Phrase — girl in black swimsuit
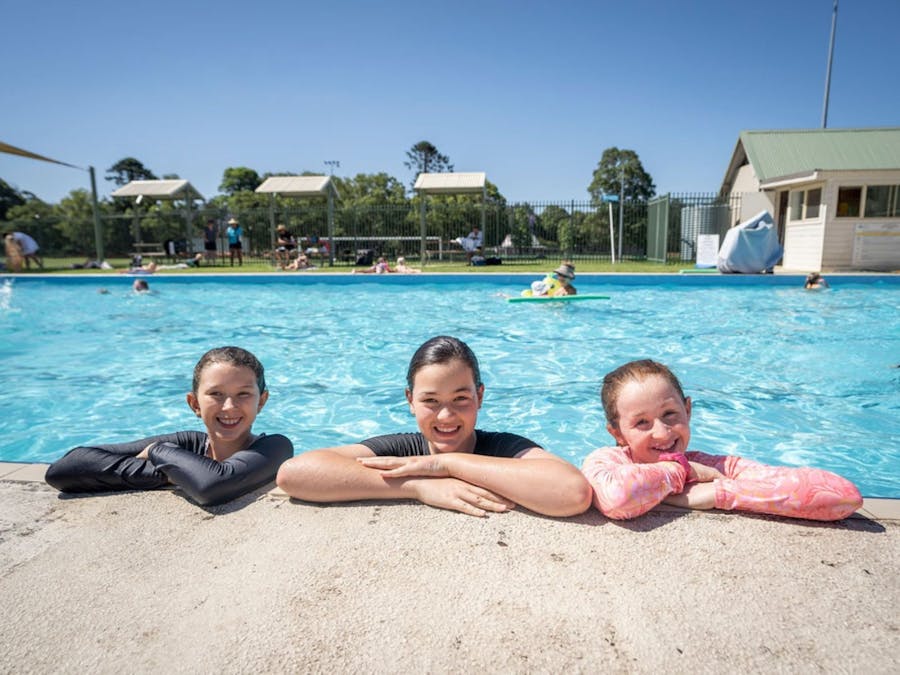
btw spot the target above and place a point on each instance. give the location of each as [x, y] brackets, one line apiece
[228, 460]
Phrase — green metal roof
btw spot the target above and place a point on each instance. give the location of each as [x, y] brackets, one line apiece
[783, 153]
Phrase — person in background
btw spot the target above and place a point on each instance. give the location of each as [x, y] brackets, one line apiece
[649, 416]
[284, 245]
[13, 251]
[448, 463]
[140, 286]
[403, 268]
[557, 283]
[472, 243]
[815, 282]
[381, 266]
[301, 262]
[210, 240]
[211, 467]
[234, 233]
[29, 249]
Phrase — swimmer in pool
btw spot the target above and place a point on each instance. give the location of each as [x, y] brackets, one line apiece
[649, 416]
[211, 467]
[448, 463]
[556, 284]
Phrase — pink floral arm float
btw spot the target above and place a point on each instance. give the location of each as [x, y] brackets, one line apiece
[624, 489]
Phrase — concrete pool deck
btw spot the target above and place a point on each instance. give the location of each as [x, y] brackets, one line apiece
[150, 582]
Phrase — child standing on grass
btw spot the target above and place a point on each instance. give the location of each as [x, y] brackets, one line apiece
[448, 463]
[649, 416]
[225, 462]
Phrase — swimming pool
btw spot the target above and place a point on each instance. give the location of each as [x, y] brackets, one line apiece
[776, 374]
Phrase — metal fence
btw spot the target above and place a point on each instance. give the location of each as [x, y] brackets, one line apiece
[662, 229]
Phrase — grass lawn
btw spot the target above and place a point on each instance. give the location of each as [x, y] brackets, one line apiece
[64, 265]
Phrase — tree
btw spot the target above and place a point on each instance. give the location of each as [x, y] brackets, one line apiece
[423, 157]
[9, 197]
[370, 189]
[76, 222]
[239, 179]
[609, 174]
[128, 169]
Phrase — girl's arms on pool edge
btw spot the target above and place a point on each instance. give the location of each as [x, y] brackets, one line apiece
[334, 474]
[535, 478]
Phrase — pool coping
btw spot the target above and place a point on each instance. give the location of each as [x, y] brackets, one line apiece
[873, 508]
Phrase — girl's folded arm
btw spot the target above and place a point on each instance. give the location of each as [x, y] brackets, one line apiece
[108, 467]
[624, 489]
[209, 482]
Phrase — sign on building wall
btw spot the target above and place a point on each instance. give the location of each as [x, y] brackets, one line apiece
[876, 246]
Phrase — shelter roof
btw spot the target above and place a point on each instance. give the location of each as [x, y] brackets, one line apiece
[158, 189]
[450, 183]
[298, 186]
[775, 154]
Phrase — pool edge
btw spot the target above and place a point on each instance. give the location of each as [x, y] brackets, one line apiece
[873, 508]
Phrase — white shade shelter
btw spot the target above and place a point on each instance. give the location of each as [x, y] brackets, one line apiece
[301, 187]
[161, 190]
[450, 184]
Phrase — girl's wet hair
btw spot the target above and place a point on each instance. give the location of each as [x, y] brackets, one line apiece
[636, 371]
[442, 349]
[233, 356]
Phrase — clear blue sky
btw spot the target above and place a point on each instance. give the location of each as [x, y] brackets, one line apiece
[529, 92]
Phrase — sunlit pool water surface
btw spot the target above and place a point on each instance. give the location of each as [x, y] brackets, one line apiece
[776, 374]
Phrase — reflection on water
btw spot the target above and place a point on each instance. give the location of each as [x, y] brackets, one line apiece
[776, 374]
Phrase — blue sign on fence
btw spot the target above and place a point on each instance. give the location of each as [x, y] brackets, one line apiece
[610, 198]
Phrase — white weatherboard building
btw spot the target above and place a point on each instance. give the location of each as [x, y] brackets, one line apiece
[834, 194]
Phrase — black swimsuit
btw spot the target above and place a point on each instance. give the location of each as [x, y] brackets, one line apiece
[177, 458]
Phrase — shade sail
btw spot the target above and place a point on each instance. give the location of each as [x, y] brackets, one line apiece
[13, 150]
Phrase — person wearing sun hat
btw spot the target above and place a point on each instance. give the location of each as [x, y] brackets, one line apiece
[564, 274]
[234, 233]
[556, 283]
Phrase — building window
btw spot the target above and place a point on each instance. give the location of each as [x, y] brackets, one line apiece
[882, 201]
[849, 202]
[805, 204]
[813, 201]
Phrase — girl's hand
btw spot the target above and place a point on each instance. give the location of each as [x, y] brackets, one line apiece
[145, 453]
[457, 495]
[396, 467]
[700, 473]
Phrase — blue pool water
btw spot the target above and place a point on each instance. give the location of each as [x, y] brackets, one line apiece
[776, 374]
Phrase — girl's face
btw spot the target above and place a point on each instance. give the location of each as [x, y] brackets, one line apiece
[227, 400]
[653, 419]
[445, 402]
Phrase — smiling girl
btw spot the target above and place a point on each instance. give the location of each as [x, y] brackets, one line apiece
[228, 460]
[448, 463]
[649, 416]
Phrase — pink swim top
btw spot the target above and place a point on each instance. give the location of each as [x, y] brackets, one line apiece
[624, 489]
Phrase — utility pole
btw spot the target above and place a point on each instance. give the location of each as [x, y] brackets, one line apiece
[828, 70]
[332, 164]
[621, 203]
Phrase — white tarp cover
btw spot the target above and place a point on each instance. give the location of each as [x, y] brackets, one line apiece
[158, 189]
[298, 186]
[751, 247]
[450, 183]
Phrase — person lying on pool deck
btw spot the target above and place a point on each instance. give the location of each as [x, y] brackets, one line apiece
[649, 416]
[448, 463]
[225, 462]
